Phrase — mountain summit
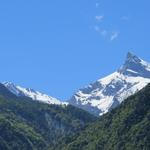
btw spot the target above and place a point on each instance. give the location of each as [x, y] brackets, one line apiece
[135, 66]
[107, 93]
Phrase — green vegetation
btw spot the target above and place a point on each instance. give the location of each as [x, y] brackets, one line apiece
[124, 128]
[29, 125]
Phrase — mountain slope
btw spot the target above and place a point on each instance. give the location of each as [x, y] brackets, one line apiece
[107, 93]
[34, 95]
[27, 124]
[124, 128]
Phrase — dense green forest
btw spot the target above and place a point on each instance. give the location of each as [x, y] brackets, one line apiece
[30, 125]
[124, 128]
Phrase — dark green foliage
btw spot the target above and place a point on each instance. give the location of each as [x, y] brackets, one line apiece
[124, 128]
[28, 125]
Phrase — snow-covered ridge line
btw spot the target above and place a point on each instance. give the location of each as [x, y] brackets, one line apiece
[34, 95]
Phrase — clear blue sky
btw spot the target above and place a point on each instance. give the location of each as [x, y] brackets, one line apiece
[59, 46]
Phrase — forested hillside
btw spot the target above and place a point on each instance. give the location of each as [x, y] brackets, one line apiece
[30, 125]
[124, 128]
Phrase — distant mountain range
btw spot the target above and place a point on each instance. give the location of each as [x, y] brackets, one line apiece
[103, 95]
[29, 125]
[30, 120]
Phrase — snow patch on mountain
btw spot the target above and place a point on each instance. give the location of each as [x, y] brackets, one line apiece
[34, 95]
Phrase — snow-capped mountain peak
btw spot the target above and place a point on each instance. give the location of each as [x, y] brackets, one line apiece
[135, 66]
[108, 92]
[132, 58]
[34, 95]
